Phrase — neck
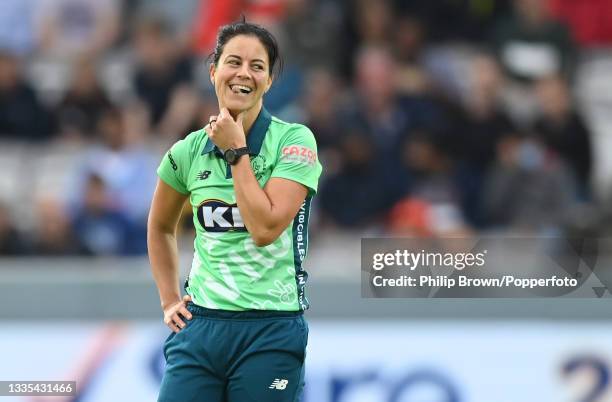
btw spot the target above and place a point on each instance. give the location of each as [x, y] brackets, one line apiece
[249, 118]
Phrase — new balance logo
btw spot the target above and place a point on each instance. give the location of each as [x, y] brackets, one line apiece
[279, 384]
[203, 175]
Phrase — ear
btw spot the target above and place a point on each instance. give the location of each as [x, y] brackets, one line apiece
[211, 73]
[269, 84]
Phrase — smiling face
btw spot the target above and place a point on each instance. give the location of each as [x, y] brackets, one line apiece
[242, 74]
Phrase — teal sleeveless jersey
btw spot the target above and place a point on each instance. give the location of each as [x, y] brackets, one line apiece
[229, 271]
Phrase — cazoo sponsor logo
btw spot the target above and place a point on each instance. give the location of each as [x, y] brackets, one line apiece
[300, 154]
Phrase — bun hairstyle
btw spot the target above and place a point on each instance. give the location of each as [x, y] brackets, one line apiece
[268, 41]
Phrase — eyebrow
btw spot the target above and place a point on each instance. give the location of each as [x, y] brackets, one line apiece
[238, 57]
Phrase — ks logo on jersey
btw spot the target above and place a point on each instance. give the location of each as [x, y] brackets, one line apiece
[219, 216]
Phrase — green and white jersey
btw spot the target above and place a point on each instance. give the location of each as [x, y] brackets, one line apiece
[229, 271]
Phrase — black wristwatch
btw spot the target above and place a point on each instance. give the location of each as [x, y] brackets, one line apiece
[231, 156]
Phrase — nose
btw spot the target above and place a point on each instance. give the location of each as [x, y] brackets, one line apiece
[243, 72]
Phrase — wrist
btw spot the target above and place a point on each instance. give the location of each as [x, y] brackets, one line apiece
[244, 160]
[167, 303]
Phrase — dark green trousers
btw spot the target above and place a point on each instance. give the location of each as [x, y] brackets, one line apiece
[227, 356]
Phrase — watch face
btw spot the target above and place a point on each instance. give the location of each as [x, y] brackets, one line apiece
[230, 156]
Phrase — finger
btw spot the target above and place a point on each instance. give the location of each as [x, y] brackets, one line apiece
[174, 327]
[213, 124]
[170, 324]
[225, 113]
[240, 117]
[185, 313]
[212, 118]
[177, 320]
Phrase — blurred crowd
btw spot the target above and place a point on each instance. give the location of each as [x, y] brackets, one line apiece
[432, 118]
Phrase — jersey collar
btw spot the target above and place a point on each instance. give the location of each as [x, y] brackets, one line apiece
[255, 137]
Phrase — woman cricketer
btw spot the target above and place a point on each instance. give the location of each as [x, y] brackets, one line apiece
[239, 334]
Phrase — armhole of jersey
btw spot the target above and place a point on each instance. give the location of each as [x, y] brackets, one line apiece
[300, 249]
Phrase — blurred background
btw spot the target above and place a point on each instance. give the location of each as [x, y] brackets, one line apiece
[433, 118]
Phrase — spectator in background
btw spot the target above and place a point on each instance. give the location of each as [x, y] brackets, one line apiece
[369, 23]
[136, 123]
[309, 37]
[321, 104]
[375, 109]
[380, 109]
[126, 167]
[561, 128]
[483, 121]
[163, 78]
[431, 203]
[359, 193]
[69, 28]
[17, 26]
[53, 235]
[528, 189]
[11, 241]
[477, 125]
[102, 229]
[83, 103]
[453, 20]
[180, 14]
[22, 116]
[374, 19]
[312, 34]
[531, 45]
[408, 43]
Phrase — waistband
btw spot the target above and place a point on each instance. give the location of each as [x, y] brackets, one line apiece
[239, 315]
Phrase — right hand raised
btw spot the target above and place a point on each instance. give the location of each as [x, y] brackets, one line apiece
[173, 313]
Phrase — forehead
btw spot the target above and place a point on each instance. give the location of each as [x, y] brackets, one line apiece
[247, 47]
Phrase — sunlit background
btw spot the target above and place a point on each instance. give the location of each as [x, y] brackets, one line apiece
[433, 118]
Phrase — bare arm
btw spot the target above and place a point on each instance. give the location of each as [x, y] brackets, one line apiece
[265, 212]
[163, 252]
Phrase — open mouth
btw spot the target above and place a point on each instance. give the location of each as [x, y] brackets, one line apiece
[240, 89]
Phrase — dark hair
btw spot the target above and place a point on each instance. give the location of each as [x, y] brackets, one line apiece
[268, 41]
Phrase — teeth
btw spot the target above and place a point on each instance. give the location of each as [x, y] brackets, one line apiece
[241, 88]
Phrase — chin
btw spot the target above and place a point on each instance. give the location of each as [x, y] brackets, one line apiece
[237, 107]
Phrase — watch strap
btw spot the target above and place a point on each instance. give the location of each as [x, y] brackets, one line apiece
[242, 151]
